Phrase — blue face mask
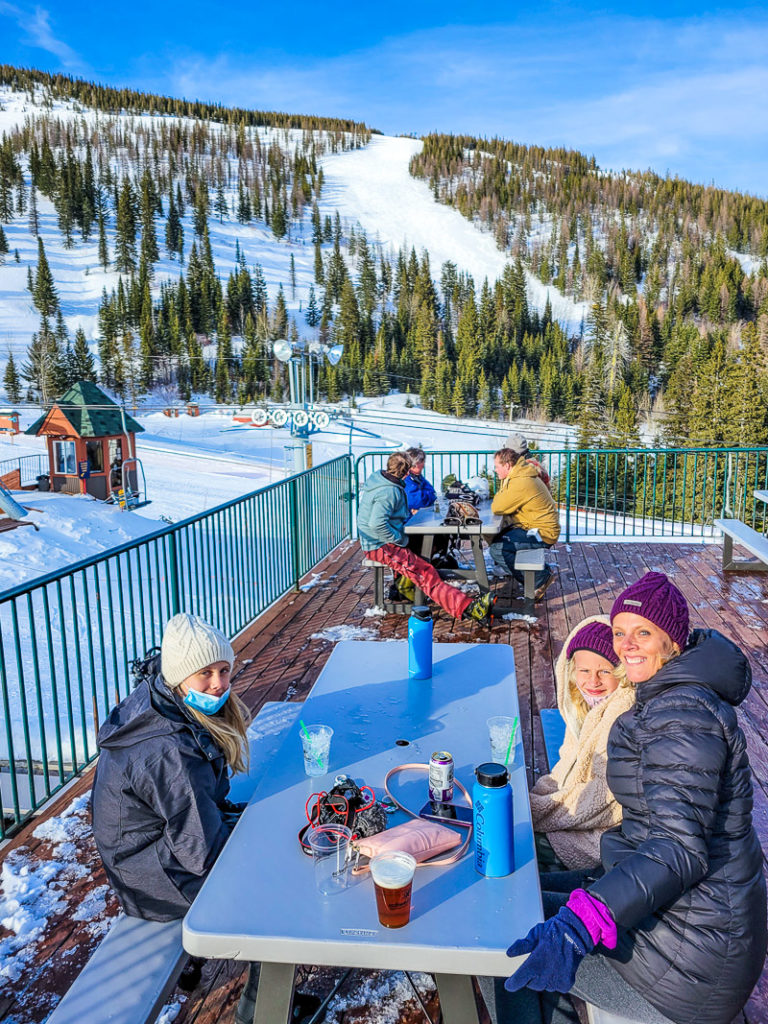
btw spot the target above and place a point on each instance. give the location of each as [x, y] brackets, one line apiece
[204, 702]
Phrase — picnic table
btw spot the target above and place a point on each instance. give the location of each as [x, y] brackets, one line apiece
[429, 524]
[259, 902]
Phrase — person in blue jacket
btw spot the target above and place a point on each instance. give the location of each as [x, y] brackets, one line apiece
[420, 493]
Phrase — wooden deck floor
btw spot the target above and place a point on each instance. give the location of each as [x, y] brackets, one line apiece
[280, 656]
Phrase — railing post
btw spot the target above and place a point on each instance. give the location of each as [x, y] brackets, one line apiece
[568, 499]
[352, 494]
[293, 500]
[174, 571]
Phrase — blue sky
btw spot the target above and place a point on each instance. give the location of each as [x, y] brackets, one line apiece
[667, 86]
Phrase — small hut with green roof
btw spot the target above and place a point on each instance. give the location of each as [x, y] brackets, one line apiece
[91, 445]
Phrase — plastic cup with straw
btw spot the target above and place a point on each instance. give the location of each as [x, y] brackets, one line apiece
[316, 743]
[502, 731]
[512, 735]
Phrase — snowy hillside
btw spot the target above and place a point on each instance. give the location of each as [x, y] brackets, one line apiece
[374, 187]
[370, 187]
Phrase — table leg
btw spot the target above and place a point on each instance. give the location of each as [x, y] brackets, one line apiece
[482, 572]
[426, 554]
[457, 999]
[273, 1002]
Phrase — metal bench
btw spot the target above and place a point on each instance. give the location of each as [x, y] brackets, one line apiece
[754, 542]
[137, 965]
[393, 607]
[529, 562]
[553, 728]
[597, 1016]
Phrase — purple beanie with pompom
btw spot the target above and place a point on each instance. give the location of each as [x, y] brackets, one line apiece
[657, 599]
[596, 637]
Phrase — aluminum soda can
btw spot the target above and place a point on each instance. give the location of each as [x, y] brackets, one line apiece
[441, 777]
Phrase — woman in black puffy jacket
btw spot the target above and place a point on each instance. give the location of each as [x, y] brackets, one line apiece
[161, 815]
[675, 926]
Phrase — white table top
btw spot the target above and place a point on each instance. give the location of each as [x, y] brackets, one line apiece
[426, 520]
[260, 901]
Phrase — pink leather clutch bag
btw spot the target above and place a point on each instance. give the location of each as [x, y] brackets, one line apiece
[422, 839]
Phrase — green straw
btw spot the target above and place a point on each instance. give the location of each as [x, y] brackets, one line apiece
[304, 729]
[511, 739]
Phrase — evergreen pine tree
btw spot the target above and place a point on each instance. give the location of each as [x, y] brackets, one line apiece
[319, 268]
[3, 246]
[174, 232]
[280, 316]
[147, 349]
[220, 204]
[83, 364]
[149, 251]
[125, 238]
[278, 221]
[312, 316]
[44, 296]
[224, 360]
[103, 247]
[33, 216]
[11, 381]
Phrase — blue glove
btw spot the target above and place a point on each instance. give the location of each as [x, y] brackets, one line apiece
[556, 948]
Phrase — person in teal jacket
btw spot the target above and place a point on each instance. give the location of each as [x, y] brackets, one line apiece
[381, 518]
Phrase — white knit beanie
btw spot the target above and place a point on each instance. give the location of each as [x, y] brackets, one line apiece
[190, 644]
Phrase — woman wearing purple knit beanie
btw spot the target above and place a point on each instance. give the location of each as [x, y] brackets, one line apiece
[672, 926]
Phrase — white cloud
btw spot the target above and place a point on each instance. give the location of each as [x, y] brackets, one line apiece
[683, 94]
[39, 33]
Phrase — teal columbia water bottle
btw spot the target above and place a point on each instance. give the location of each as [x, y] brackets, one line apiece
[420, 642]
[493, 821]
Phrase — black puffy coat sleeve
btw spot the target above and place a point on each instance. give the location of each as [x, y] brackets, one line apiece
[181, 787]
[683, 754]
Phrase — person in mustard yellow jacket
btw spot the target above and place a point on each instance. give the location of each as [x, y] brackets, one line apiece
[530, 517]
[572, 806]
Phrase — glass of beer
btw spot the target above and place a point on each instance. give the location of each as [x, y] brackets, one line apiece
[392, 874]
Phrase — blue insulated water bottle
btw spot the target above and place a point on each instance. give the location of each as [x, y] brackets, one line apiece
[493, 820]
[420, 642]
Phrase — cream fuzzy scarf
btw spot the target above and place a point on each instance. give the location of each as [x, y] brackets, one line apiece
[573, 804]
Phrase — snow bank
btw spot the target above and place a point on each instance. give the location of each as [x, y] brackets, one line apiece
[332, 634]
[32, 890]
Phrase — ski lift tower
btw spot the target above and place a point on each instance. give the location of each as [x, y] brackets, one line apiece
[301, 357]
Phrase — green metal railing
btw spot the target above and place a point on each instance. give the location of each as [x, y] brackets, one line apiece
[68, 638]
[624, 493]
[29, 467]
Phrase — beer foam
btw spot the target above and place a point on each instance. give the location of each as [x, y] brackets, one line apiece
[392, 873]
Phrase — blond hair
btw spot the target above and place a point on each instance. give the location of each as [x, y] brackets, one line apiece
[581, 706]
[228, 729]
[398, 464]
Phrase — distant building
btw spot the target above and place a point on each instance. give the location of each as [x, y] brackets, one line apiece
[91, 447]
[9, 421]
